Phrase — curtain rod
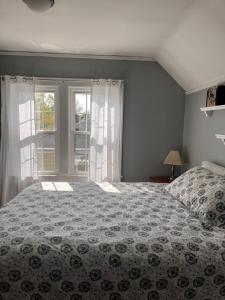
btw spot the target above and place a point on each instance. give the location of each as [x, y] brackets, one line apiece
[57, 79]
[14, 77]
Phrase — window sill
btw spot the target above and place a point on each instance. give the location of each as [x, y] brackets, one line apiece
[64, 177]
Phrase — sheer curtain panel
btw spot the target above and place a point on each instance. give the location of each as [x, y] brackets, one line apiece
[18, 164]
[106, 130]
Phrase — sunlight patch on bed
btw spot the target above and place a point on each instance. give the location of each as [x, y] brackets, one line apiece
[107, 187]
[56, 186]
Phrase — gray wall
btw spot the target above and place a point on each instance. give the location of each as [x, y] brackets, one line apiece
[153, 105]
[199, 141]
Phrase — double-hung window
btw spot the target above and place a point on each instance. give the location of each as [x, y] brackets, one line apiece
[46, 127]
[80, 104]
[62, 120]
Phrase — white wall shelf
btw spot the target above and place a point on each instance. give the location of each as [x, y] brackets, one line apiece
[210, 109]
[221, 137]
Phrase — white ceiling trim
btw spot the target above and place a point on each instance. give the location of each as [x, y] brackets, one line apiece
[201, 87]
[70, 55]
[206, 85]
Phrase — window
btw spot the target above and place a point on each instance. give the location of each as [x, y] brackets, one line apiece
[45, 123]
[62, 119]
[82, 133]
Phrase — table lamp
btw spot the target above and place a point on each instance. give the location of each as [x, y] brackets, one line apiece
[174, 159]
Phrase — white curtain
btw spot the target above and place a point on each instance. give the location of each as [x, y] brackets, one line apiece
[18, 164]
[106, 130]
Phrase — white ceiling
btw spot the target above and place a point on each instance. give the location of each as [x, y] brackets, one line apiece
[187, 37]
[194, 54]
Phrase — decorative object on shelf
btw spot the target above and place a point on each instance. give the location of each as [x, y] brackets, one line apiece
[174, 159]
[211, 96]
[160, 179]
[221, 137]
[209, 110]
[39, 5]
[215, 96]
[220, 95]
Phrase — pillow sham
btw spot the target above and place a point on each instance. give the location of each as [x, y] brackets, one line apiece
[213, 167]
[210, 208]
[203, 192]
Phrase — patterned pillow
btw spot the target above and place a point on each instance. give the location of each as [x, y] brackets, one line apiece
[203, 192]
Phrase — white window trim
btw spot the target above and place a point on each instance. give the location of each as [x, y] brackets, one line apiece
[55, 89]
[71, 125]
[64, 91]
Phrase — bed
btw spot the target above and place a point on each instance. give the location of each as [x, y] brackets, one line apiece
[107, 241]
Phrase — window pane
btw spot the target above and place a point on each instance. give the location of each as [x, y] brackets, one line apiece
[46, 140]
[49, 120]
[46, 160]
[39, 101]
[49, 101]
[46, 152]
[81, 162]
[80, 122]
[82, 141]
[80, 101]
[45, 111]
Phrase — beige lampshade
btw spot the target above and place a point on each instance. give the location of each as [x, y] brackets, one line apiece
[173, 158]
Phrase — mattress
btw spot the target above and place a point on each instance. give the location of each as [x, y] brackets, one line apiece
[107, 241]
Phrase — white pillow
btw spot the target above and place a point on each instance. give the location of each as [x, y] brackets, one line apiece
[216, 169]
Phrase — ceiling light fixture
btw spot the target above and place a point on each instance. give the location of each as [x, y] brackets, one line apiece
[39, 5]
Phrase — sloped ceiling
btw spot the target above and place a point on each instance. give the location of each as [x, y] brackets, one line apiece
[187, 37]
[194, 53]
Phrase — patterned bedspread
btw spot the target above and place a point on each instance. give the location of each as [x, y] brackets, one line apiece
[130, 241]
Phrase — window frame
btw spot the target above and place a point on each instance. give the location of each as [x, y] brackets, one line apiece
[72, 90]
[53, 88]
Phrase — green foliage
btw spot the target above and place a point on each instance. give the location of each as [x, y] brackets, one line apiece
[45, 111]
